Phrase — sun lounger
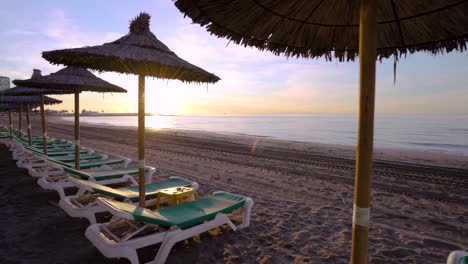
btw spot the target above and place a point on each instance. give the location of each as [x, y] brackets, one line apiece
[54, 167]
[43, 161]
[170, 225]
[71, 158]
[23, 152]
[85, 205]
[104, 177]
[458, 257]
[62, 152]
[95, 163]
[54, 146]
[50, 142]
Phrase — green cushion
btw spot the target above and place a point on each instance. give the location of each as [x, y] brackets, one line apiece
[131, 193]
[184, 215]
[65, 152]
[463, 260]
[53, 145]
[53, 150]
[103, 175]
[70, 158]
[91, 164]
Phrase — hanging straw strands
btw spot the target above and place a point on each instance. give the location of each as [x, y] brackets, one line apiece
[330, 29]
[69, 79]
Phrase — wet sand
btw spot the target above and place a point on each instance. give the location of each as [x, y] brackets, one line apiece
[303, 198]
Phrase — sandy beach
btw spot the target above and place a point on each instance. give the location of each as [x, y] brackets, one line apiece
[303, 195]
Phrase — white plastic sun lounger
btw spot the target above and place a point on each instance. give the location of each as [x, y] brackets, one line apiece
[24, 155]
[73, 206]
[170, 225]
[35, 160]
[104, 177]
[55, 167]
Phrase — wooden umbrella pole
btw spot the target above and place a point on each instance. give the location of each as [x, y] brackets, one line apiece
[9, 122]
[141, 139]
[20, 112]
[362, 183]
[44, 128]
[28, 121]
[77, 129]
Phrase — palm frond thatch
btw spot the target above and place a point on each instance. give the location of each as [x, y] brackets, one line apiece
[68, 79]
[13, 107]
[330, 28]
[22, 90]
[11, 100]
[138, 52]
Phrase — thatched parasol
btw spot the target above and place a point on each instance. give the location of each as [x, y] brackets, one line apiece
[138, 52]
[21, 90]
[9, 108]
[76, 80]
[341, 30]
[29, 101]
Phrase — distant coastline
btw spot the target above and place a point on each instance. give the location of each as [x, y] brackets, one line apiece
[104, 114]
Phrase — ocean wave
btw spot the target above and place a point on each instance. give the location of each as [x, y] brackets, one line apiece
[440, 145]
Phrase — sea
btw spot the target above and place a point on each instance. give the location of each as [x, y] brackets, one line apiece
[430, 133]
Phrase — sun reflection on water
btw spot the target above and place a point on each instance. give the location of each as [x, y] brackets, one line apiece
[156, 122]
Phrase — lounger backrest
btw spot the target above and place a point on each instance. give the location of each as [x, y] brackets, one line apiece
[99, 188]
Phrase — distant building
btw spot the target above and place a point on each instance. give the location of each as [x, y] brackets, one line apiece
[4, 83]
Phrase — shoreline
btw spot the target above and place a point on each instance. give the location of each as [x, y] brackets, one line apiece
[380, 154]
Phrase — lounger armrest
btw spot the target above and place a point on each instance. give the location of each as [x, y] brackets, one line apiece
[150, 171]
[105, 203]
[126, 160]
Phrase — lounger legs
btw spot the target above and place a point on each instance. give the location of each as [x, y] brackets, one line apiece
[132, 255]
[177, 235]
[246, 211]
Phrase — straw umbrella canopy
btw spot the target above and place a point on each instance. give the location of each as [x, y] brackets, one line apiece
[341, 30]
[21, 90]
[77, 80]
[139, 52]
[32, 101]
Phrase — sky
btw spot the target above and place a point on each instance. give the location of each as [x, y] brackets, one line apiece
[252, 81]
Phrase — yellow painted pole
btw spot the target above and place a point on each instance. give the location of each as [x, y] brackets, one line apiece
[44, 128]
[141, 139]
[28, 121]
[9, 121]
[20, 111]
[77, 129]
[362, 183]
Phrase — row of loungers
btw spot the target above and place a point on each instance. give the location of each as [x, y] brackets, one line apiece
[167, 225]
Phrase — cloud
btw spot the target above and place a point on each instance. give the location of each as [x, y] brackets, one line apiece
[19, 56]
